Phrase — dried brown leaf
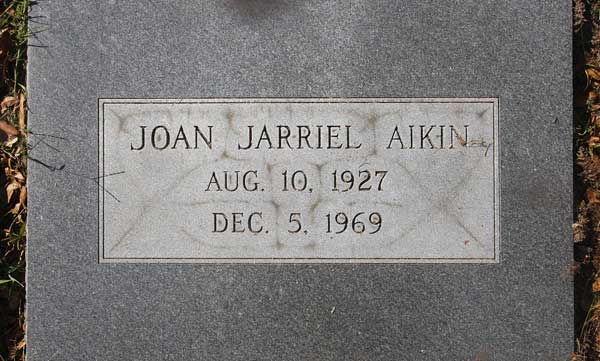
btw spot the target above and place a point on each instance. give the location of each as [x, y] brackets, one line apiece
[594, 119]
[8, 129]
[593, 73]
[10, 190]
[578, 232]
[592, 96]
[23, 195]
[592, 196]
[16, 209]
[8, 102]
[19, 176]
[596, 285]
[11, 141]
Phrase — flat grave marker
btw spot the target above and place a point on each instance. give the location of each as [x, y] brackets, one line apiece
[300, 180]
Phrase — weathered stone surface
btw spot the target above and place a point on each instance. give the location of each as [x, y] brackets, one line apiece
[517, 52]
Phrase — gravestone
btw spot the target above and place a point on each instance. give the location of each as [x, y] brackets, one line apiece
[315, 180]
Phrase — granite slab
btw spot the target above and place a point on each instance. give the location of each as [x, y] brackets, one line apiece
[519, 306]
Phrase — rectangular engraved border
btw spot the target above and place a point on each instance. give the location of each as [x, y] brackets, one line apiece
[275, 260]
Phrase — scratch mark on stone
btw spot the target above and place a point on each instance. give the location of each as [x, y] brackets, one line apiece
[110, 174]
[62, 168]
[47, 166]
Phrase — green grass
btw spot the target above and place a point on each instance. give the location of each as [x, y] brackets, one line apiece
[13, 172]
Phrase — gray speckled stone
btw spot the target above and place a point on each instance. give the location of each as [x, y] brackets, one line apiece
[516, 51]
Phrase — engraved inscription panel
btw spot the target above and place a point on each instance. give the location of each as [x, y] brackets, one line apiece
[299, 180]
